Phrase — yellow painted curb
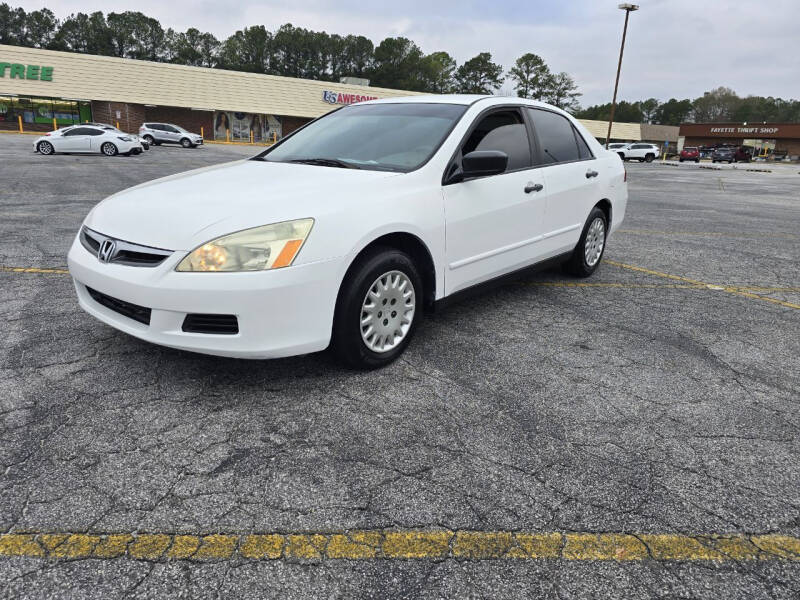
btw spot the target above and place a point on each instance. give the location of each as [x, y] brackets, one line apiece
[412, 544]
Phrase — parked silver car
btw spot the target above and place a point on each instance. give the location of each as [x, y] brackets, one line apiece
[167, 133]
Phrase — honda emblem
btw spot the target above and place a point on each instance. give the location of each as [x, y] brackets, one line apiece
[106, 251]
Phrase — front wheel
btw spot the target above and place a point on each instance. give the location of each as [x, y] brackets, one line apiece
[186, 143]
[649, 157]
[109, 149]
[587, 254]
[378, 309]
[45, 148]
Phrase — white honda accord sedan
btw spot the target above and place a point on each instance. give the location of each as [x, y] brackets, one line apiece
[87, 139]
[349, 229]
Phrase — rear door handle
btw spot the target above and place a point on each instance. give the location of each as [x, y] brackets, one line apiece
[533, 187]
[590, 174]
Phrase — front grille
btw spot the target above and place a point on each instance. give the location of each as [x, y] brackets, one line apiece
[213, 324]
[132, 311]
[125, 253]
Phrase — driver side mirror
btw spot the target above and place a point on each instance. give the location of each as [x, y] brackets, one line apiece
[481, 163]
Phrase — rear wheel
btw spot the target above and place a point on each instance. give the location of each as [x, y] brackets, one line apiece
[109, 149]
[45, 148]
[587, 254]
[378, 309]
[149, 139]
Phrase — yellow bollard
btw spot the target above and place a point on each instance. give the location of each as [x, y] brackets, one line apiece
[117, 124]
[55, 126]
[202, 135]
[274, 137]
[19, 118]
[227, 136]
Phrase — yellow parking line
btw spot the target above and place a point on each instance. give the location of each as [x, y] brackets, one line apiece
[33, 270]
[737, 291]
[710, 233]
[413, 544]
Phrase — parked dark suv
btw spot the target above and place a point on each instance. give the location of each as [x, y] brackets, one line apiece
[731, 154]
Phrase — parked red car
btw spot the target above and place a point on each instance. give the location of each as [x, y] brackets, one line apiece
[690, 153]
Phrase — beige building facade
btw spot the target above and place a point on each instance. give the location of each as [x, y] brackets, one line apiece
[44, 88]
[38, 86]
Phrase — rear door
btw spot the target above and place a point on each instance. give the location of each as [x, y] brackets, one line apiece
[158, 132]
[571, 177]
[493, 223]
[171, 134]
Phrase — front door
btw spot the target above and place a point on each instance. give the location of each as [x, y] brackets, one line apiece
[493, 224]
[75, 140]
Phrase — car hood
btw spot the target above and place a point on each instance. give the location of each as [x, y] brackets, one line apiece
[182, 211]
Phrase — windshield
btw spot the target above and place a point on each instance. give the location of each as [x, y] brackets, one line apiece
[384, 137]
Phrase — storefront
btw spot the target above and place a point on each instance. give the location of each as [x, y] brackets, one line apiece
[761, 139]
[40, 89]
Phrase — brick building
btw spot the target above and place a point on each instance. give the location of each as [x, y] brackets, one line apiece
[761, 138]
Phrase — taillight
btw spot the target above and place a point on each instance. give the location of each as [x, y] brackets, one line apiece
[47, 134]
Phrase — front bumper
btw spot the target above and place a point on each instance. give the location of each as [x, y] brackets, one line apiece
[280, 313]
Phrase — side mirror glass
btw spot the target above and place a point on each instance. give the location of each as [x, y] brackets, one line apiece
[481, 163]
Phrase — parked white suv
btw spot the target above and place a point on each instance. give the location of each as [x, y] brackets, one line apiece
[348, 229]
[639, 151]
[167, 133]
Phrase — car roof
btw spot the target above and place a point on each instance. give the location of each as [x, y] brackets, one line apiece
[464, 99]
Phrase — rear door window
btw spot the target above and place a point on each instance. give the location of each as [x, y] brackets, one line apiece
[556, 137]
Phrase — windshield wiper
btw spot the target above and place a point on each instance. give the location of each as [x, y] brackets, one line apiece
[325, 162]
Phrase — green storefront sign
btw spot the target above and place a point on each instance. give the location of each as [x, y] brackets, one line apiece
[20, 71]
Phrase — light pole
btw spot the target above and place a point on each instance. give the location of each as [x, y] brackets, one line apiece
[628, 8]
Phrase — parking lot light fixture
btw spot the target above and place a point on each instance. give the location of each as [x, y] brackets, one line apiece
[628, 8]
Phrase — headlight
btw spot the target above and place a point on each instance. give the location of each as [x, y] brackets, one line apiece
[257, 249]
[124, 138]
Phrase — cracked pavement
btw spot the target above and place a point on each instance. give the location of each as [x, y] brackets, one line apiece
[642, 407]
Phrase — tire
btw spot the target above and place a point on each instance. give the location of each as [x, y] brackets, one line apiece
[390, 272]
[697, 160]
[109, 149]
[186, 143]
[649, 157]
[681, 160]
[149, 139]
[578, 265]
[45, 148]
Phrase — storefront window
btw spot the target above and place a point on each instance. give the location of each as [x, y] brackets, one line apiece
[237, 126]
[42, 111]
[6, 112]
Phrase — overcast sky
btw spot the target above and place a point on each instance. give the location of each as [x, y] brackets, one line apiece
[675, 48]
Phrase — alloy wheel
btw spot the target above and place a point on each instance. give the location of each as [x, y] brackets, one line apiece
[387, 311]
[595, 241]
[45, 148]
[109, 149]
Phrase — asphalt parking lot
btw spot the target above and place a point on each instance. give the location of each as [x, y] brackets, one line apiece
[631, 435]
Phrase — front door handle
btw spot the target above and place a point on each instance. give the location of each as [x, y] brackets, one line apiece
[533, 187]
[590, 174]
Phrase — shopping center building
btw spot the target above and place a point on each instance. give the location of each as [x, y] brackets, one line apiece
[779, 139]
[40, 88]
[43, 89]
